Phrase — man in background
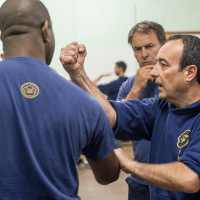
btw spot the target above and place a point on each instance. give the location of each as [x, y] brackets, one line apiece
[46, 121]
[146, 39]
[111, 89]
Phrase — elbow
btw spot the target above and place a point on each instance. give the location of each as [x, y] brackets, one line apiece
[114, 178]
[108, 180]
[191, 185]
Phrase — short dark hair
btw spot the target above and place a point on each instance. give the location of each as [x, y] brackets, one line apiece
[122, 65]
[191, 51]
[145, 27]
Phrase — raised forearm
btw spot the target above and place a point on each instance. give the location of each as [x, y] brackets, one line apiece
[133, 94]
[72, 58]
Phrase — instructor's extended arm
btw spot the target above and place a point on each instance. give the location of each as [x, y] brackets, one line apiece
[175, 176]
[72, 58]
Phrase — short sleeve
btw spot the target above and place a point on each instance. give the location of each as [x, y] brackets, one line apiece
[102, 142]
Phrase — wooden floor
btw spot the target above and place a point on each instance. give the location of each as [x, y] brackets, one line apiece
[89, 189]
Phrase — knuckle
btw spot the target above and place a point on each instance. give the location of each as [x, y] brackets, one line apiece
[73, 54]
[73, 48]
[71, 59]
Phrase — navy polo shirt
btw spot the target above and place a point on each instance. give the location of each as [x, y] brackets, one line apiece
[46, 123]
[174, 134]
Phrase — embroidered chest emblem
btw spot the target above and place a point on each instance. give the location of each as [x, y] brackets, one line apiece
[183, 139]
[30, 90]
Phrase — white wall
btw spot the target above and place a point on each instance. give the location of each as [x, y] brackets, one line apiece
[103, 26]
[1, 48]
[100, 26]
[101, 61]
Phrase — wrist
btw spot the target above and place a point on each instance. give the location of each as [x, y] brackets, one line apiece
[131, 168]
[134, 93]
[136, 90]
[77, 76]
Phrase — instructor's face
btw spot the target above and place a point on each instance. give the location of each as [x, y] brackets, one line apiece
[145, 47]
[167, 72]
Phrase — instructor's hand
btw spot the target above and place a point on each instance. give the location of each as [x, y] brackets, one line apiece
[126, 163]
[72, 57]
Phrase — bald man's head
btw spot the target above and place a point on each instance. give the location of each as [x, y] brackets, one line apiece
[30, 13]
[22, 19]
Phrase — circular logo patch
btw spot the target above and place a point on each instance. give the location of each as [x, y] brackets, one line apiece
[183, 139]
[30, 90]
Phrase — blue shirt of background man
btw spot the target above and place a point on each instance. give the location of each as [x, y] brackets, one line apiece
[174, 134]
[141, 148]
[46, 123]
[111, 89]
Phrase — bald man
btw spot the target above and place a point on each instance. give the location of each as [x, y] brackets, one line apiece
[46, 121]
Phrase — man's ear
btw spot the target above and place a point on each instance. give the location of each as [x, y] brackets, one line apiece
[45, 32]
[2, 56]
[163, 42]
[190, 72]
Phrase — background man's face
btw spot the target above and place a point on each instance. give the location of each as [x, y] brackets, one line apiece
[145, 47]
[167, 72]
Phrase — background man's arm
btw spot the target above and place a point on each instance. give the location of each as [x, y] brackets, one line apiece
[141, 79]
[72, 58]
[98, 78]
[174, 176]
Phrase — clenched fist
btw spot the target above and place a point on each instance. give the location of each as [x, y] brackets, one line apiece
[72, 57]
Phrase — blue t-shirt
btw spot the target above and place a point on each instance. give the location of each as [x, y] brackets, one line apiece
[174, 134]
[111, 89]
[46, 123]
[141, 148]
